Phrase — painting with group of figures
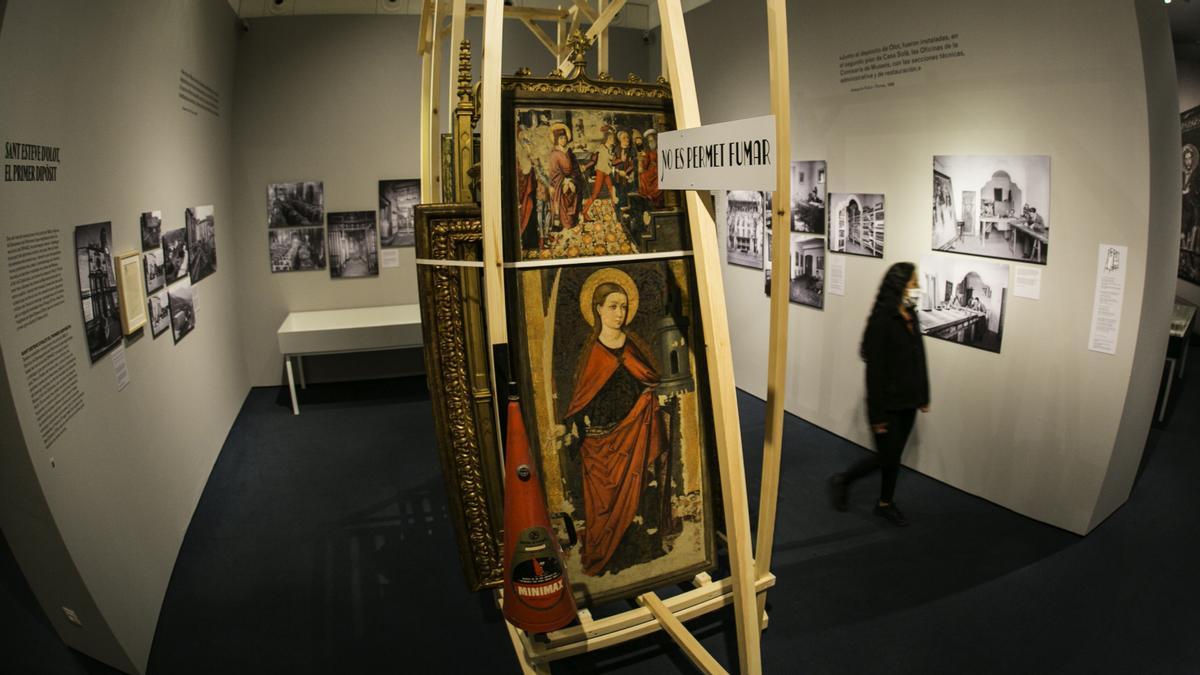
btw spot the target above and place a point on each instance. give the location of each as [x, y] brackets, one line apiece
[612, 388]
[1189, 231]
[587, 184]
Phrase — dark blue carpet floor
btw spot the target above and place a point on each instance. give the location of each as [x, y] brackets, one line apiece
[322, 545]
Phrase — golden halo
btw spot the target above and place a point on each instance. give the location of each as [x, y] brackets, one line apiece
[609, 275]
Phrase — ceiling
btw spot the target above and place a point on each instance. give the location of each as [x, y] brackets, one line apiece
[641, 14]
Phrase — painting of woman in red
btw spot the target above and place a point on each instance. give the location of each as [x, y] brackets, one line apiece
[623, 453]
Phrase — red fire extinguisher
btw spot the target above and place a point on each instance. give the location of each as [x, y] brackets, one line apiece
[537, 595]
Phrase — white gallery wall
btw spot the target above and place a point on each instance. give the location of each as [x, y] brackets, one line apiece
[1046, 427]
[96, 519]
[337, 99]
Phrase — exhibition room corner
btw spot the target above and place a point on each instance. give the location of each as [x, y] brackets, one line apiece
[223, 170]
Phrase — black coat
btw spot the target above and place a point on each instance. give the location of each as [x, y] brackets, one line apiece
[895, 356]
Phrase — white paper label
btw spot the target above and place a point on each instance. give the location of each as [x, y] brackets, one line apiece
[120, 367]
[1110, 295]
[1028, 283]
[737, 155]
[837, 274]
[390, 257]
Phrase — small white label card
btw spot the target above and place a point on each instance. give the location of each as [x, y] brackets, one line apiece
[837, 274]
[391, 257]
[120, 367]
[1028, 283]
[1110, 296]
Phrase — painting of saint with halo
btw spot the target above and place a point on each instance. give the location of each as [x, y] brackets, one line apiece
[611, 385]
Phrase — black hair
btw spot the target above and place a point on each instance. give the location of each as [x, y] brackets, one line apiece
[891, 292]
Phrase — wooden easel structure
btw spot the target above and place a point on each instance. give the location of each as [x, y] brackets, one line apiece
[745, 588]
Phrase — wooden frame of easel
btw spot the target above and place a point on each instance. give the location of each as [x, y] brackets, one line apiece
[750, 576]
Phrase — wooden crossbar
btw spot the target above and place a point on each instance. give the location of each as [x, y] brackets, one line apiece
[696, 653]
[599, 25]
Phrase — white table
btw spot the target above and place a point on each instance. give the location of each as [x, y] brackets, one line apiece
[1182, 318]
[336, 331]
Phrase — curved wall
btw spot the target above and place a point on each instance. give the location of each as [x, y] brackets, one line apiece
[1043, 426]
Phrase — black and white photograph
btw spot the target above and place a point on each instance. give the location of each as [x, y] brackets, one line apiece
[807, 276]
[856, 224]
[175, 255]
[963, 300]
[201, 241]
[1189, 229]
[151, 225]
[97, 288]
[353, 251]
[396, 201]
[293, 204]
[182, 302]
[152, 267]
[298, 249]
[158, 307]
[992, 206]
[767, 265]
[747, 217]
[808, 197]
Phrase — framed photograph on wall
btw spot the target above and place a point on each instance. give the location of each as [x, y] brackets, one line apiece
[175, 255]
[201, 242]
[98, 295]
[133, 297]
[296, 204]
[856, 224]
[807, 274]
[1189, 228]
[963, 300]
[158, 308]
[995, 206]
[747, 220]
[151, 229]
[353, 250]
[182, 301]
[296, 249]
[396, 201]
[808, 197]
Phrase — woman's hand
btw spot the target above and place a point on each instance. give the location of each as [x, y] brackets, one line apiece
[880, 428]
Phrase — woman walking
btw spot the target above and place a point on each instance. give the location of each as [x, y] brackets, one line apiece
[897, 386]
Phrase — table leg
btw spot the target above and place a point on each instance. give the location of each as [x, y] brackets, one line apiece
[1162, 411]
[291, 384]
[300, 362]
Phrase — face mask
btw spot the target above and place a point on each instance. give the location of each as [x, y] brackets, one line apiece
[912, 296]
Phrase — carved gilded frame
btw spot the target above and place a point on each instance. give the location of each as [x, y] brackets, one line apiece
[457, 367]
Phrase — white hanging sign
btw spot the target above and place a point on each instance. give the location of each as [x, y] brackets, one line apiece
[737, 155]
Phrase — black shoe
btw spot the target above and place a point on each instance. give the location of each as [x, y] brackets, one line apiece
[838, 490]
[891, 514]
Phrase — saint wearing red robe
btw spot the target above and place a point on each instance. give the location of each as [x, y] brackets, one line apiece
[623, 452]
[565, 177]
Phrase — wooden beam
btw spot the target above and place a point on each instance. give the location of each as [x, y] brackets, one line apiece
[707, 260]
[598, 26]
[458, 20]
[587, 10]
[696, 653]
[777, 345]
[423, 31]
[532, 13]
[602, 42]
[491, 203]
[542, 37]
[427, 105]
[435, 98]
